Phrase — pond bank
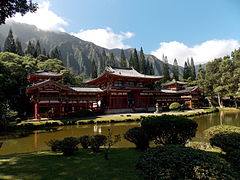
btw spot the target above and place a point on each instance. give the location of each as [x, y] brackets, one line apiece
[112, 118]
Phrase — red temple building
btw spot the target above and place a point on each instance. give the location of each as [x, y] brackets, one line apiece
[117, 90]
[52, 99]
[175, 92]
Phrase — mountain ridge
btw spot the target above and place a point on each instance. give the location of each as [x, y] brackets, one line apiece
[76, 53]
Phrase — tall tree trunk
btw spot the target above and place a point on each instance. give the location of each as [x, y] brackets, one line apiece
[219, 101]
[209, 101]
[235, 102]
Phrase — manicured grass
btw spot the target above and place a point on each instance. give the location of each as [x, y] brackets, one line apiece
[85, 165]
[228, 109]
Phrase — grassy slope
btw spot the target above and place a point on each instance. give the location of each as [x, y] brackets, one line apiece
[83, 166]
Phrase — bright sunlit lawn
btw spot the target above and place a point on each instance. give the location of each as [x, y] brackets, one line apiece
[85, 165]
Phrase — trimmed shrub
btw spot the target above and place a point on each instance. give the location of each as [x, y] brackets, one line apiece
[69, 146]
[169, 129]
[226, 141]
[54, 144]
[174, 106]
[210, 132]
[84, 141]
[96, 141]
[137, 136]
[179, 162]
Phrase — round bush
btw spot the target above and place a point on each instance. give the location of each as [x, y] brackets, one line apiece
[69, 145]
[169, 129]
[210, 132]
[137, 136]
[54, 144]
[179, 162]
[174, 106]
[228, 142]
[96, 141]
[84, 141]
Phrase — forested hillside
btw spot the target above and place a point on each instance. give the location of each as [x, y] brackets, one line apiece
[80, 56]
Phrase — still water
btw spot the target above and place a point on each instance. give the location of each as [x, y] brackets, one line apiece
[37, 141]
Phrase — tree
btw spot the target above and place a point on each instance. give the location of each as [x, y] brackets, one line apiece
[136, 61]
[112, 61]
[30, 48]
[175, 70]
[186, 73]
[131, 61]
[19, 50]
[55, 53]
[166, 69]
[193, 71]
[9, 44]
[123, 60]
[142, 62]
[94, 69]
[10, 7]
[37, 49]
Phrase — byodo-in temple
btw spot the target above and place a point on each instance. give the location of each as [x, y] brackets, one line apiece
[117, 90]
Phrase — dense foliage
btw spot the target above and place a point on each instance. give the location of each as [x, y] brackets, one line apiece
[14, 70]
[10, 7]
[96, 141]
[174, 106]
[85, 141]
[220, 78]
[68, 146]
[228, 142]
[137, 136]
[210, 132]
[169, 129]
[179, 162]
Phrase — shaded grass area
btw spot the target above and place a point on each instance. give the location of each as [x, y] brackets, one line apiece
[85, 165]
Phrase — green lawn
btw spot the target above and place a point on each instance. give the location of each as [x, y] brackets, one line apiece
[83, 166]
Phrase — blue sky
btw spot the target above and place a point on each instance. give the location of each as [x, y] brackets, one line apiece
[202, 29]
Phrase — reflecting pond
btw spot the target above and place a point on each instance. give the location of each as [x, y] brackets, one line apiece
[37, 141]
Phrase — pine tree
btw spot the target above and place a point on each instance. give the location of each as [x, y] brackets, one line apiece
[44, 52]
[175, 70]
[30, 49]
[105, 58]
[186, 74]
[55, 53]
[166, 74]
[9, 44]
[123, 60]
[193, 71]
[136, 61]
[151, 69]
[37, 49]
[112, 61]
[19, 50]
[142, 62]
[147, 67]
[94, 69]
[131, 61]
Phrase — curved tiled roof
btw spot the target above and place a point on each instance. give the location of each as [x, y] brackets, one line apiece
[86, 89]
[129, 72]
[186, 90]
[174, 82]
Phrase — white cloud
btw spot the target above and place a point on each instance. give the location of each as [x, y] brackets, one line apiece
[201, 53]
[44, 18]
[105, 37]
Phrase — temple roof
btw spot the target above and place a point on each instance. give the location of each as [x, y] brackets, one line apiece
[129, 72]
[86, 89]
[186, 90]
[77, 89]
[174, 82]
[46, 73]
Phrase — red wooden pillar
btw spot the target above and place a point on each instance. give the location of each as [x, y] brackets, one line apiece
[36, 111]
[190, 104]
